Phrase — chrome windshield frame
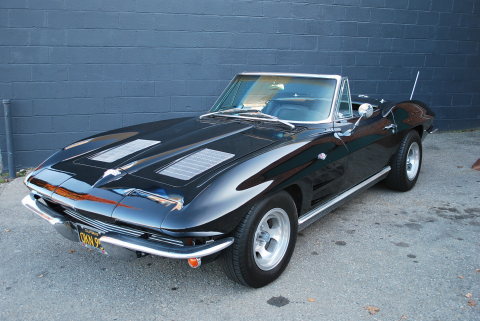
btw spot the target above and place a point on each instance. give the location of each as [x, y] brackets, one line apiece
[331, 115]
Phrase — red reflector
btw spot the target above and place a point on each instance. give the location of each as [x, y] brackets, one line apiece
[194, 262]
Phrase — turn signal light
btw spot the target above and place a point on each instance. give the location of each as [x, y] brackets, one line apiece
[194, 262]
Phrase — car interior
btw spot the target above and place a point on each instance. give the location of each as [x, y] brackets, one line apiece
[299, 108]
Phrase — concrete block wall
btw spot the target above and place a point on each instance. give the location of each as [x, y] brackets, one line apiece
[74, 68]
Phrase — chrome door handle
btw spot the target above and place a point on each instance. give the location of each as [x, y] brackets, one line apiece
[392, 127]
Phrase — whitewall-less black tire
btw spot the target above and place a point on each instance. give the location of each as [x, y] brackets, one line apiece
[264, 242]
[406, 163]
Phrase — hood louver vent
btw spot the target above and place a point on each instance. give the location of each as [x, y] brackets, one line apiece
[194, 164]
[113, 154]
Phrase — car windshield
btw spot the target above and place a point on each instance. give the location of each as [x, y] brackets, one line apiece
[286, 98]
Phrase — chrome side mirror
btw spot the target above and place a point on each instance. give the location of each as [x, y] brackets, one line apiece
[365, 110]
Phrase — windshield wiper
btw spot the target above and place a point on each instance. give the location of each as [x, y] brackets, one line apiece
[234, 110]
[274, 118]
[251, 111]
[223, 111]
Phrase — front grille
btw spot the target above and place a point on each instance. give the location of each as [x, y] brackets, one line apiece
[107, 227]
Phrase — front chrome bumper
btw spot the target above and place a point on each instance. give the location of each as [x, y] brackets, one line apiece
[432, 130]
[113, 241]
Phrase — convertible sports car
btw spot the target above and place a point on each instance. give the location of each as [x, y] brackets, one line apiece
[275, 153]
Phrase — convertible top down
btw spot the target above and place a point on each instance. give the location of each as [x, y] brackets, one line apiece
[275, 153]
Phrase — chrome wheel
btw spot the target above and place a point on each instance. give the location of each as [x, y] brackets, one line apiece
[413, 161]
[271, 239]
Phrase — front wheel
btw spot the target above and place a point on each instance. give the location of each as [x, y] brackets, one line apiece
[264, 242]
[406, 163]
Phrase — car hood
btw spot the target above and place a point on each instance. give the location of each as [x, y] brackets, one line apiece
[162, 151]
[99, 175]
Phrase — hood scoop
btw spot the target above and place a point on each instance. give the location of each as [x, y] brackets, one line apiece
[195, 164]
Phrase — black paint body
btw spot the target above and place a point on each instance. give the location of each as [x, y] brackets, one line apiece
[268, 157]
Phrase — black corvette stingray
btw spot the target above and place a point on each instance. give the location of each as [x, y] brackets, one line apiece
[275, 153]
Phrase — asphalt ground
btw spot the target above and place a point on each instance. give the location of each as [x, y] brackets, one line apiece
[414, 256]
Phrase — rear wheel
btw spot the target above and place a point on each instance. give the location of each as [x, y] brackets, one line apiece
[406, 163]
[264, 242]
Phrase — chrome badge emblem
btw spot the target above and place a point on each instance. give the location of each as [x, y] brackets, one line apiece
[322, 156]
[113, 172]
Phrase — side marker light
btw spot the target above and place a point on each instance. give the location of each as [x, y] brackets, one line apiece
[194, 262]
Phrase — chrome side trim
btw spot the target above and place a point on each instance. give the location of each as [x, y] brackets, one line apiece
[313, 215]
[181, 252]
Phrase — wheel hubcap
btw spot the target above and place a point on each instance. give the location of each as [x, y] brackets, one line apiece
[271, 239]
[413, 161]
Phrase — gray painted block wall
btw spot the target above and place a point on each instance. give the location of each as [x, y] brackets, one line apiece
[74, 68]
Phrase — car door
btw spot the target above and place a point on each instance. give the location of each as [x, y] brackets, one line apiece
[328, 171]
[369, 144]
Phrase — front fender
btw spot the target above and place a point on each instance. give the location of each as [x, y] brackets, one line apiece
[222, 204]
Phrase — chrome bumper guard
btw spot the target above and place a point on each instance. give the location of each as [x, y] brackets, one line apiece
[113, 241]
[159, 249]
[59, 222]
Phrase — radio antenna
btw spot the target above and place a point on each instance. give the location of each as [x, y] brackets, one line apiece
[414, 85]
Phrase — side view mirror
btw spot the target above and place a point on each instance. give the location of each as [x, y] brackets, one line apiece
[365, 110]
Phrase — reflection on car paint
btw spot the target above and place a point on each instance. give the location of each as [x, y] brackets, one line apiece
[115, 137]
[73, 195]
[160, 196]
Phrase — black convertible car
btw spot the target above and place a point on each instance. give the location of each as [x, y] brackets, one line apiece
[275, 153]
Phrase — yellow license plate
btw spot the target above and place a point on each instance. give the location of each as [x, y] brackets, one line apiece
[90, 238]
